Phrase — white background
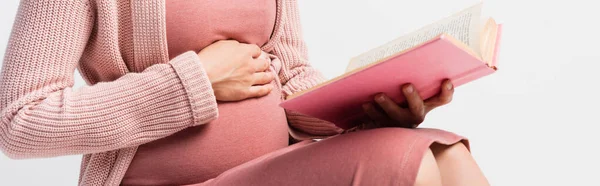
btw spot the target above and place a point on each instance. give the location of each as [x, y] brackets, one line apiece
[534, 122]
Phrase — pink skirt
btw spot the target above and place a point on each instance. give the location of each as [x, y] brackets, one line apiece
[385, 156]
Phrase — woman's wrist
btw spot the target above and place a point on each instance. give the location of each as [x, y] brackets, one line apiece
[207, 69]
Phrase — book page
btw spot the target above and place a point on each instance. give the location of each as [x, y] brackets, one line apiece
[464, 26]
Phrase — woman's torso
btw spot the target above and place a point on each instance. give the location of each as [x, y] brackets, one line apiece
[245, 129]
[195, 24]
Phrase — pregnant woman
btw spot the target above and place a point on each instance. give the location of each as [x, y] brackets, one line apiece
[186, 92]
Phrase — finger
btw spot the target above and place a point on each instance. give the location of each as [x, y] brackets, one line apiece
[373, 113]
[261, 78]
[260, 65]
[263, 55]
[415, 102]
[231, 41]
[443, 98]
[254, 50]
[259, 90]
[393, 110]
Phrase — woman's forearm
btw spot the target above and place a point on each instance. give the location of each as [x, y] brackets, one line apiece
[43, 116]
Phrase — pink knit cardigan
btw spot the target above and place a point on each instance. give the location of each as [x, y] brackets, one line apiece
[135, 93]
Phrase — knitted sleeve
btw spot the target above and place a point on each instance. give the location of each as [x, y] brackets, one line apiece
[41, 115]
[297, 74]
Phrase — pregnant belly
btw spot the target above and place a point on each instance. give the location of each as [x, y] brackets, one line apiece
[243, 131]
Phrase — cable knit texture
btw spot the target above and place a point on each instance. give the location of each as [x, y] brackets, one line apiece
[135, 94]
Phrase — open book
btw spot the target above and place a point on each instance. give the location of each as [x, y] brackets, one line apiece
[462, 47]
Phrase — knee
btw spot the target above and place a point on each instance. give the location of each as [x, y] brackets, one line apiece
[449, 151]
[394, 153]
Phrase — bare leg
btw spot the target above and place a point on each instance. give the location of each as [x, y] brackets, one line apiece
[457, 166]
[429, 173]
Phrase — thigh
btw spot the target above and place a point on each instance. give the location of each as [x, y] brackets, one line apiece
[388, 156]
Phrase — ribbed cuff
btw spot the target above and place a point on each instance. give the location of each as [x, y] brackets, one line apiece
[197, 86]
[302, 127]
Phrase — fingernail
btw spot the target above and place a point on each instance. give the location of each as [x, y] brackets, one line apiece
[380, 98]
[449, 86]
[409, 89]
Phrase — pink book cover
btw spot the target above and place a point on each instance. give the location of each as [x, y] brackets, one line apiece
[425, 66]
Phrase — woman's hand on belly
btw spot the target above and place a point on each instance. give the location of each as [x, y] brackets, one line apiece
[236, 70]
